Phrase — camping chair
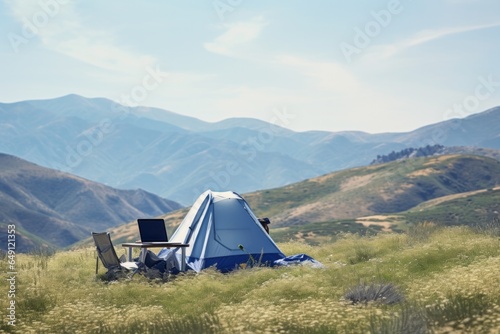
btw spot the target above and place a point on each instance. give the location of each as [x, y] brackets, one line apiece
[106, 252]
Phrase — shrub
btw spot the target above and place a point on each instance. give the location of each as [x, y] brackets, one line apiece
[381, 293]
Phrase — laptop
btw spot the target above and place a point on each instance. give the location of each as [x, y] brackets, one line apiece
[152, 230]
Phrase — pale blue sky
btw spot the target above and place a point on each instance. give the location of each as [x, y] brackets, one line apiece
[373, 66]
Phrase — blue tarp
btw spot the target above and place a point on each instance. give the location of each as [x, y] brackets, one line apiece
[298, 259]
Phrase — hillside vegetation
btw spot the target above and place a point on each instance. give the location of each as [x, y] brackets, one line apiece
[478, 209]
[435, 150]
[472, 208]
[431, 279]
[379, 189]
[410, 152]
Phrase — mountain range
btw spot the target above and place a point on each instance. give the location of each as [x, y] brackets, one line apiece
[52, 209]
[178, 157]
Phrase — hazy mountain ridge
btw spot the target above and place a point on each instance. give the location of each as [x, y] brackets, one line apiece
[60, 209]
[177, 157]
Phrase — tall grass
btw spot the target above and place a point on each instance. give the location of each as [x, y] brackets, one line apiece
[421, 232]
[450, 278]
[491, 228]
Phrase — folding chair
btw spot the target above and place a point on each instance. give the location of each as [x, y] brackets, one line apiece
[106, 252]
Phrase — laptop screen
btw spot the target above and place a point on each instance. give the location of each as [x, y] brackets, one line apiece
[152, 230]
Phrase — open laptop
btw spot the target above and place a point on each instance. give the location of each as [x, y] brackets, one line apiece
[152, 230]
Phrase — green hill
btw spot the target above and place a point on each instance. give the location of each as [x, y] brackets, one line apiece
[381, 189]
[472, 208]
[479, 209]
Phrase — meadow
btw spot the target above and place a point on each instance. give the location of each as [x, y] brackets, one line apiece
[430, 279]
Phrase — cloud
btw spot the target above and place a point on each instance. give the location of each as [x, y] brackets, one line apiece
[425, 36]
[99, 53]
[333, 86]
[430, 35]
[58, 27]
[326, 75]
[236, 37]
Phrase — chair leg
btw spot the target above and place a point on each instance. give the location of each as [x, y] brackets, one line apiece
[96, 264]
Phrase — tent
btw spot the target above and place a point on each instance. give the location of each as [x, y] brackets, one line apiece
[222, 231]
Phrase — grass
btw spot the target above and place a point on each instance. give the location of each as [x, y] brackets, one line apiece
[449, 277]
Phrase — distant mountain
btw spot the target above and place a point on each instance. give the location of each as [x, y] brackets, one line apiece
[54, 209]
[481, 130]
[179, 157]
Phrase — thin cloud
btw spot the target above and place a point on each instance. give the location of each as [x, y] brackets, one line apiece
[236, 37]
[63, 33]
[99, 53]
[326, 75]
[23, 9]
[425, 36]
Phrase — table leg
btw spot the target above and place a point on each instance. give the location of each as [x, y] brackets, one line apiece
[183, 258]
[130, 254]
[142, 256]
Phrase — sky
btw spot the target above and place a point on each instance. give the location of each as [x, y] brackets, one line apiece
[366, 65]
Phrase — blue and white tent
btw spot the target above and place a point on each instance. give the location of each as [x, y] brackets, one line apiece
[222, 231]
